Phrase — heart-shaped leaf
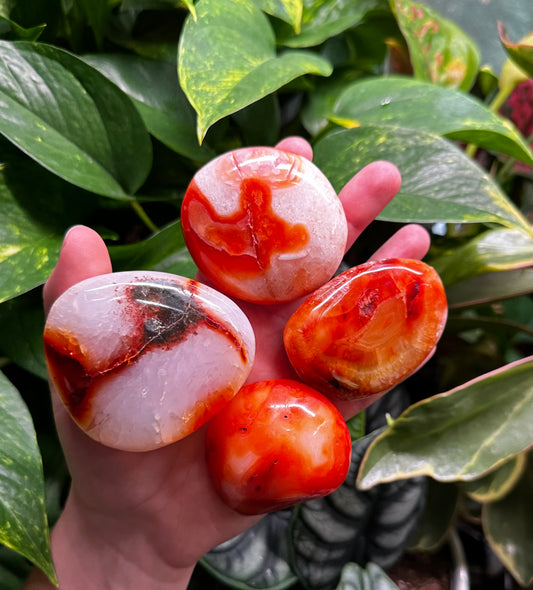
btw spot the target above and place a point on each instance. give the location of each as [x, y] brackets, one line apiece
[154, 88]
[459, 435]
[439, 182]
[497, 249]
[405, 102]
[440, 51]
[255, 559]
[227, 60]
[354, 577]
[350, 525]
[23, 524]
[71, 119]
[509, 528]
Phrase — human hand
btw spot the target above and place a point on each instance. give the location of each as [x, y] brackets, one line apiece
[142, 520]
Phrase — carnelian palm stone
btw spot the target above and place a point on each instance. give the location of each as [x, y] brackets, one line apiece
[141, 359]
[264, 225]
[368, 328]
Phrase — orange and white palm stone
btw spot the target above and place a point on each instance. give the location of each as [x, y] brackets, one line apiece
[264, 225]
[368, 328]
[141, 359]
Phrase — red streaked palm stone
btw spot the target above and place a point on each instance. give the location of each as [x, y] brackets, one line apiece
[263, 224]
[141, 359]
[368, 328]
[277, 443]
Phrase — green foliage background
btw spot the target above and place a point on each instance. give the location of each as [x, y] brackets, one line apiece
[107, 109]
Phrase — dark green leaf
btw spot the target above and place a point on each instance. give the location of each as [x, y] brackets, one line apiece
[327, 18]
[36, 208]
[350, 525]
[494, 250]
[9, 580]
[437, 517]
[71, 119]
[492, 286]
[28, 251]
[354, 577]
[509, 528]
[405, 102]
[255, 559]
[96, 13]
[440, 51]
[23, 319]
[356, 425]
[10, 31]
[496, 484]
[219, 80]
[23, 524]
[154, 88]
[459, 435]
[164, 251]
[259, 123]
[316, 112]
[14, 564]
[439, 182]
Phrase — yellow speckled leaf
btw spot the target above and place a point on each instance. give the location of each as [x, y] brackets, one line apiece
[23, 523]
[288, 10]
[227, 60]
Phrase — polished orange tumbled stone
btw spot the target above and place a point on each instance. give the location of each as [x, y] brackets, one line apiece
[368, 328]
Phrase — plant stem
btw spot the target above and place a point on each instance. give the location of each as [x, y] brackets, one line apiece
[507, 167]
[137, 207]
[494, 106]
[460, 577]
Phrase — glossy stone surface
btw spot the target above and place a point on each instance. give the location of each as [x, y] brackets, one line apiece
[142, 359]
[368, 328]
[277, 443]
[264, 225]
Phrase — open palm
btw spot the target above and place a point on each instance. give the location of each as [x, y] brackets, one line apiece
[156, 513]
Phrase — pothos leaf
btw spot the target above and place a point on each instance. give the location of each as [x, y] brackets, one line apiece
[23, 523]
[449, 186]
[71, 119]
[227, 60]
